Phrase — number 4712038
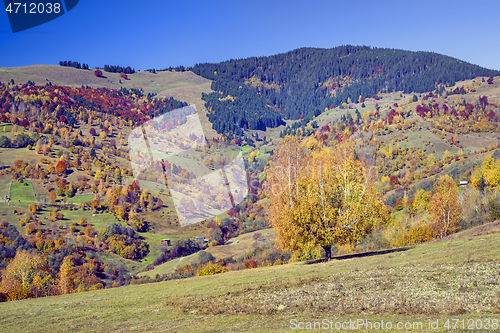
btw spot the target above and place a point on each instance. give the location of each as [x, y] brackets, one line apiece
[33, 8]
[471, 324]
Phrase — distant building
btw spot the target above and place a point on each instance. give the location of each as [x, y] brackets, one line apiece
[463, 183]
[165, 242]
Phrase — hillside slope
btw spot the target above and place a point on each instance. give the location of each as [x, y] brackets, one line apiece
[183, 86]
[456, 277]
[261, 92]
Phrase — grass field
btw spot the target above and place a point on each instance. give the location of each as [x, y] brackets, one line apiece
[9, 155]
[22, 192]
[242, 244]
[4, 186]
[170, 266]
[115, 260]
[77, 199]
[238, 246]
[97, 220]
[456, 278]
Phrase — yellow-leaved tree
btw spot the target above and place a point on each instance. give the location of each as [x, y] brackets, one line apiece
[26, 276]
[444, 206]
[323, 197]
[65, 281]
[488, 175]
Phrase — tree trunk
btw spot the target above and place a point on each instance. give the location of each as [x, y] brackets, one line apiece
[328, 251]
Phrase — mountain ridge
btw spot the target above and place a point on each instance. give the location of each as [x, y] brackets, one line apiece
[261, 92]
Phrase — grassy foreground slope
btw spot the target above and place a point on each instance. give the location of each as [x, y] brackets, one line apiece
[455, 278]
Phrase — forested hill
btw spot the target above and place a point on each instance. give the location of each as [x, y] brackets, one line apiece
[256, 93]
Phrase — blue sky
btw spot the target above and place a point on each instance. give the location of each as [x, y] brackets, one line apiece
[159, 34]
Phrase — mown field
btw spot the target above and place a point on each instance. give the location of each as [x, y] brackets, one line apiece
[454, 278]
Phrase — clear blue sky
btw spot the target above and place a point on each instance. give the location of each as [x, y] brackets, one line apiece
[159, 34]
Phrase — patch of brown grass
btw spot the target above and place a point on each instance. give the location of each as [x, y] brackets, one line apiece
[485, 229]
[407, 290]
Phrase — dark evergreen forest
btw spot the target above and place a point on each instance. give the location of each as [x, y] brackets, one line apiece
[303, 82]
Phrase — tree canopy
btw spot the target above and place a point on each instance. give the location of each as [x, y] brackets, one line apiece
[321, 198]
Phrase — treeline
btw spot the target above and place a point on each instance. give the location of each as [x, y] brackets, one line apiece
[170, 69]
[106, 68]
[75, 64]
[119, 69]
[308, 80]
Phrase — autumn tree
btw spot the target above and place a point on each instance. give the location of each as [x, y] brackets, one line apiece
[444, 206]
[419, 204]
[26, 276]
[98, 73]
[487, 175]
[65, 281]
[118, 176]
[52, 196]
[323, 198]
[98, 175]
[61, 166]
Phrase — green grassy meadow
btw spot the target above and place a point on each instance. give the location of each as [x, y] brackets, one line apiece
[242, 244]
[170, 266]
[454, 278]
[22, 192]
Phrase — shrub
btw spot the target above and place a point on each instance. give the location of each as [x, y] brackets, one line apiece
[30, 229]
[205, 257]
[417, 235]
[252, 264]
[399, 204]
[211, 269]
[496, 154]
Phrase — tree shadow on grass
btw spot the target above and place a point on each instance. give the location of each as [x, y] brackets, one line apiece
[358, 255]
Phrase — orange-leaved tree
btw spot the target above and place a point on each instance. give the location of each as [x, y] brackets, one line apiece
[61, 166]
[52, 196]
